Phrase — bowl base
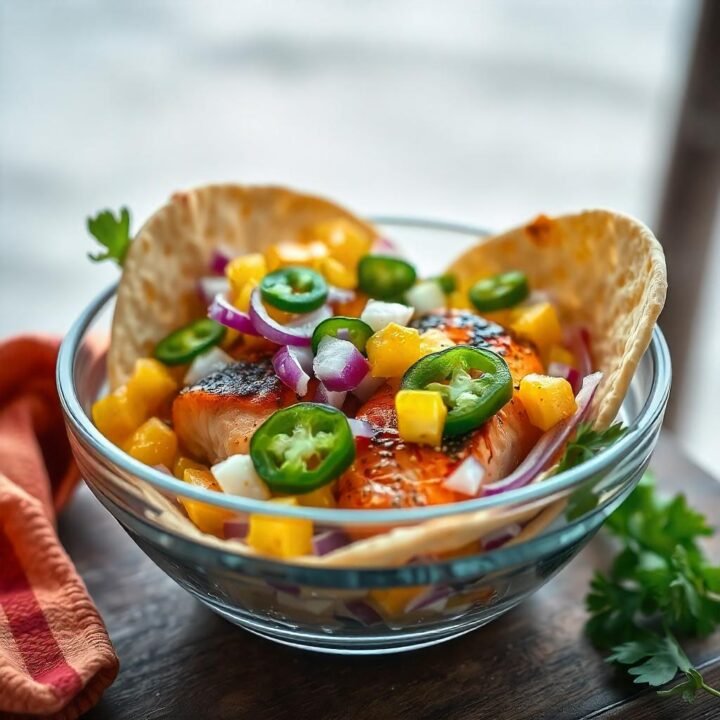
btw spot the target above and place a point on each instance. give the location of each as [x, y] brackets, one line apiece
[363, 643]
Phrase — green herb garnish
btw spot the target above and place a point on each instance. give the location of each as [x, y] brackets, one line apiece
[659, 585]
[587, 443]
[111, 232]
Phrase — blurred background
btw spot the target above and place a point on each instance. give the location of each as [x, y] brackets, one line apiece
[479, 111]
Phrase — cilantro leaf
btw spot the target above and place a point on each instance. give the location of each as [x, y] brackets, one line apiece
[111, 232]
[587, 443]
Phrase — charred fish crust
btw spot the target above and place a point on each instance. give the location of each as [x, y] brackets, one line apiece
[482, 332]
[241, 379]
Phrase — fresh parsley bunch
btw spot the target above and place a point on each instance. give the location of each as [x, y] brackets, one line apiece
[660, 584]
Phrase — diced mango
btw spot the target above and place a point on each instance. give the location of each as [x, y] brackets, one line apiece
[280, 536]
[284, 254]
[434, 340]
[538, 323]
[208, 518]
[338, 274]
[547, 400]
[392, 350]
[151, 384]
[323, 497]
[118, 415]
[153, 443]
[244, 270]
[421, 416]
[346, 241]
[241, 298]
[394, 601]
[559, 354]
[185, 463]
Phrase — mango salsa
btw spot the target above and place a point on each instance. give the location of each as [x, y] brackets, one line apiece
[392, 350]
[153, 443]
[547, 400]
[345, 241]
[421, 416]
[151, 384]
[285, 254]
[393, 601]
[559, 354]
[244, 270]
[538, 323]
[185, 463]
[118, 415]
[278, 536]
[337, 274]
[206, 517]
[323, 497]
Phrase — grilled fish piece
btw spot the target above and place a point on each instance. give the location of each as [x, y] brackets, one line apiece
[217, 416]
[390, 473]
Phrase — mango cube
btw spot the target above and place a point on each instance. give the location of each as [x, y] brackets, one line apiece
[392, 350]
[278, 536]
[345, 241]
[394, 601]
[151, 384]
[559, 354]
[241, 298]
[207, 518]
[434, 340]
[118, 415]
[285, 254]
[547, 400]
[421, 416]
[245, 269]
[185, 463]
[323, 497]
[538, 323]
[153, 443]
[337, 274]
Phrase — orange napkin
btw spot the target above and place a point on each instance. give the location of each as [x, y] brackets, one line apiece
[55, 655]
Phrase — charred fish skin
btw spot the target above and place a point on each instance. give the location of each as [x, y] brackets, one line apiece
[478, 331]
[241, 379]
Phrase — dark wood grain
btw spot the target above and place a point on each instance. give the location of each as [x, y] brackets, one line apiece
[181, 661]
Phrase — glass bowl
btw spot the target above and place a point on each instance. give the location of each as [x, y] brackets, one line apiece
[377, 606]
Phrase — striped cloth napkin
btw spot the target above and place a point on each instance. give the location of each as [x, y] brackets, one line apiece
[55, 656]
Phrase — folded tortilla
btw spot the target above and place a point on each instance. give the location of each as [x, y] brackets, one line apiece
[172, 251]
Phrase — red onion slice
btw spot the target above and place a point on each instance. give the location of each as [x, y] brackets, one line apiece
[219, 260]
[339, 364]
[434, 597]
[326, 542]
[546, 447]
[210, 286]
[579, 344]
[367, 388]
[385, 246]
[340, 295]
[328, 397]
[467, 477]
[235, 529]
[289, 369]
[298, 332]
[498, 538]
[361, 428]
[226, 314]
[561, 370]
[360, 611]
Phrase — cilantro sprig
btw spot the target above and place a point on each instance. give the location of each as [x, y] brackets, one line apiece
[113, 233]
[587, 443]
[660, 584]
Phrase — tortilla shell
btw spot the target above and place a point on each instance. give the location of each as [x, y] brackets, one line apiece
[605, 272]
[158, 290]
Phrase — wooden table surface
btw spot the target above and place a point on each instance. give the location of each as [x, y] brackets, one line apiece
[179, 660]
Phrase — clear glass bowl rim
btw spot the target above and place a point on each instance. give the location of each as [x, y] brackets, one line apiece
[84, 427]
